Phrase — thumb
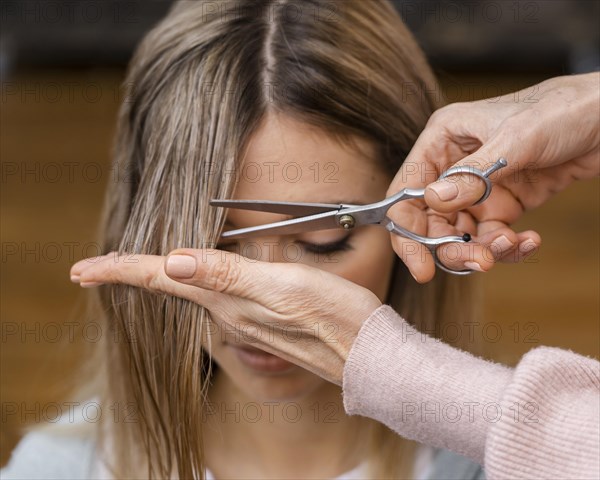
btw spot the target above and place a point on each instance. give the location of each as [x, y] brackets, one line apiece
[219, 271]
[462, 190]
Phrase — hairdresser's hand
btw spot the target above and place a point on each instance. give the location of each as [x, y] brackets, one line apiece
[550, 136]
[302, 314]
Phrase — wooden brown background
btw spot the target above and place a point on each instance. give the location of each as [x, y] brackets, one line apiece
[54, 124]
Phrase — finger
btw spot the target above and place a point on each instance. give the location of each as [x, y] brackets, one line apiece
[454, 193]
[126, 268]
[418, 169]
[439, 225]
[481, 253]
[223, 272]
[442, 225]
[499, 243]
[280, 288]
[415, 256]
[462, 190]
[416, 172]
[144, 271]
[433, 152]
[81, 265]
[463, 223]
[529, 243]
[526, 243]
[500, 209]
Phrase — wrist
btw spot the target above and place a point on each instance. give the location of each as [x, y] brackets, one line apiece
[348, 326]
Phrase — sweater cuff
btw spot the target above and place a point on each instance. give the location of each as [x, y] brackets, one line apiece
[420, 387]
[553, 430]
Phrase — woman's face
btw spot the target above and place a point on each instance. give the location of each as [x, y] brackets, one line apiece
[291, 161]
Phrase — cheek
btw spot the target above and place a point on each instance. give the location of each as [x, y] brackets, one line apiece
[369, 263]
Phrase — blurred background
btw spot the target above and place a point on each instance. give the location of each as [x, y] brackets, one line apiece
[61, 67]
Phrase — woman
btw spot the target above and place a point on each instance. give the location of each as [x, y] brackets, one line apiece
[301, 101]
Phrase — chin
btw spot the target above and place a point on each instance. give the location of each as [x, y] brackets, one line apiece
[288, 388]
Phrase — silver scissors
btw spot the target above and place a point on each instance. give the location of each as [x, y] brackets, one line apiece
[322, 216]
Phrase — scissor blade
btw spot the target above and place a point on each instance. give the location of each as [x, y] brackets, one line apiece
[288, 208]
[319, 221]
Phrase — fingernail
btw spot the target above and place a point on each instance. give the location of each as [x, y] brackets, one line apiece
[181, 266]
[527, 247]
[503, 244]
[474, 266]
[89, 284]
[75, 278]
[445, 190]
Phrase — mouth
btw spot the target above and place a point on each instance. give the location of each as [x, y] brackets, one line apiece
[260, 361]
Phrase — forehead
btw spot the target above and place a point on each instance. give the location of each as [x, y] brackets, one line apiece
[289, 160]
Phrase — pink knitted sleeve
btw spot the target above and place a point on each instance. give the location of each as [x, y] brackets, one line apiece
[538, 420]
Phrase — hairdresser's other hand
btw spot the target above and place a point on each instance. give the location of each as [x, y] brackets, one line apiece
[302, 314]
[550, 136]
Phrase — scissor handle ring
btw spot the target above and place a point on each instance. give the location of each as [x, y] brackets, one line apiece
[437, 261]
[500, 163]
[431, 244]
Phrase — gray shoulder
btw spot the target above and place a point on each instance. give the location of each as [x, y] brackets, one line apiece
[44, 455]
[447, 465]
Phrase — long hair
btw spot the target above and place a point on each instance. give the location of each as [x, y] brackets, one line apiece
[198, 86]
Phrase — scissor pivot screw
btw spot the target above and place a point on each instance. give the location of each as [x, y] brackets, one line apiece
[347, 221]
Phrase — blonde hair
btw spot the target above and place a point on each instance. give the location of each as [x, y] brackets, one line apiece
[200, 83]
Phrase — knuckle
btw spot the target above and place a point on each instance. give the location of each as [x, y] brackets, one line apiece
[110, 270]
[520, 124]
[222, 276]
[443, 115]
[151, 281]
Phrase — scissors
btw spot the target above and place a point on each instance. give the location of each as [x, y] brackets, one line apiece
[322, 216]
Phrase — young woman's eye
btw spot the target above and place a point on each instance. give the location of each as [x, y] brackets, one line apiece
[326, 248]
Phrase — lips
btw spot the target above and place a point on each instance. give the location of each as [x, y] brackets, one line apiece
[260, 361]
